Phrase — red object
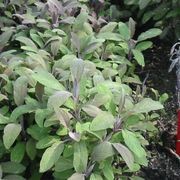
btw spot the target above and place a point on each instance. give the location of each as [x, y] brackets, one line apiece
[178, 134]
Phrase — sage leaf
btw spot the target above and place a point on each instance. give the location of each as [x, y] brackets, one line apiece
[80, 157]
[12, 167]
[149, 34]
[63, 164]
[20, 90]
[102, 151]
[95, 177]
[109, 27]
[125, 153]
[47, 79]
[77, 176]
[124, 31]
[50, 156]
[11, 132]
[147, 105]
[31, 149]
[133, 143]
[108, 171]
[77, 69]
[91, 110]
[17, 153]
[26, 41]
[46, 142]
[103, 120]
[58, 99]
[139, 57]
[13, 177]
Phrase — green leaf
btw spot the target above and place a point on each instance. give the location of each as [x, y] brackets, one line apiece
[77, 69]
[103, 120]
[11, 132]
[50, 156]
[108, 171]
[95, 177]
[26, 41]
[55, 46]
[80, 20]
[133, 143]
[110, 36]
[91, 47]
[144, 45]
[4, 119]
[143, 3]
[37, 39]
[58, 99]
[147, 105]
[163, 98]
[47, 79]
[63, 164]
[80, 157]
[132, 27]
[17, 153]
[149, 34]
[40, 116]
[12, 167]
[109, 27]
[13, 177]
[77, 176]
[23, 109]
[91, 110]
[63, 116]
[5, 36]
[124, 31]
[31, 149]
[38, 59]
[139, 57]
[125, 153]
[46, 142]
[102, 151]
[36, 132]
[20, 90]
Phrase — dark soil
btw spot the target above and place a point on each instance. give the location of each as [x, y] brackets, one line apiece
[163, 164]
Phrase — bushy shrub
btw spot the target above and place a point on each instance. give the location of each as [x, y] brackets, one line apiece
[161, 14]
[71, 104]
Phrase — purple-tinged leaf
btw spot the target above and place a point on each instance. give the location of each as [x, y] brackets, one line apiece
[125, 153]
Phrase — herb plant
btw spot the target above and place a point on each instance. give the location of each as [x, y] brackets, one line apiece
[71, 105]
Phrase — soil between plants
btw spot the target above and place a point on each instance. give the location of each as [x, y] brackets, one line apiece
[163, 164]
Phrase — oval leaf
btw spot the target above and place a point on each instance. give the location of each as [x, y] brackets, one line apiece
[80, 157]
[17, 154]
[102, 151]
[149, 34]
[77, 176]
[11, 132]
[50, 156]
[103, 120]
[139, 57]
[20, 90]
[147, 105]
[12, 167]
[47, 79]
[125, 153]
[133, 143]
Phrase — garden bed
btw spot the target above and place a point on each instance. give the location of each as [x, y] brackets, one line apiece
[163, 163]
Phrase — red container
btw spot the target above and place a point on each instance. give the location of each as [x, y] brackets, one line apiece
[178, 134]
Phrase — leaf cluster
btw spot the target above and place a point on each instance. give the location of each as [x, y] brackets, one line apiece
[69, 95]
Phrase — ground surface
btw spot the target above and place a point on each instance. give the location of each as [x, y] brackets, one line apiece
[163, 165]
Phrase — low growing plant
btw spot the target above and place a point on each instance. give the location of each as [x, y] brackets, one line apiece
[71, 105]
